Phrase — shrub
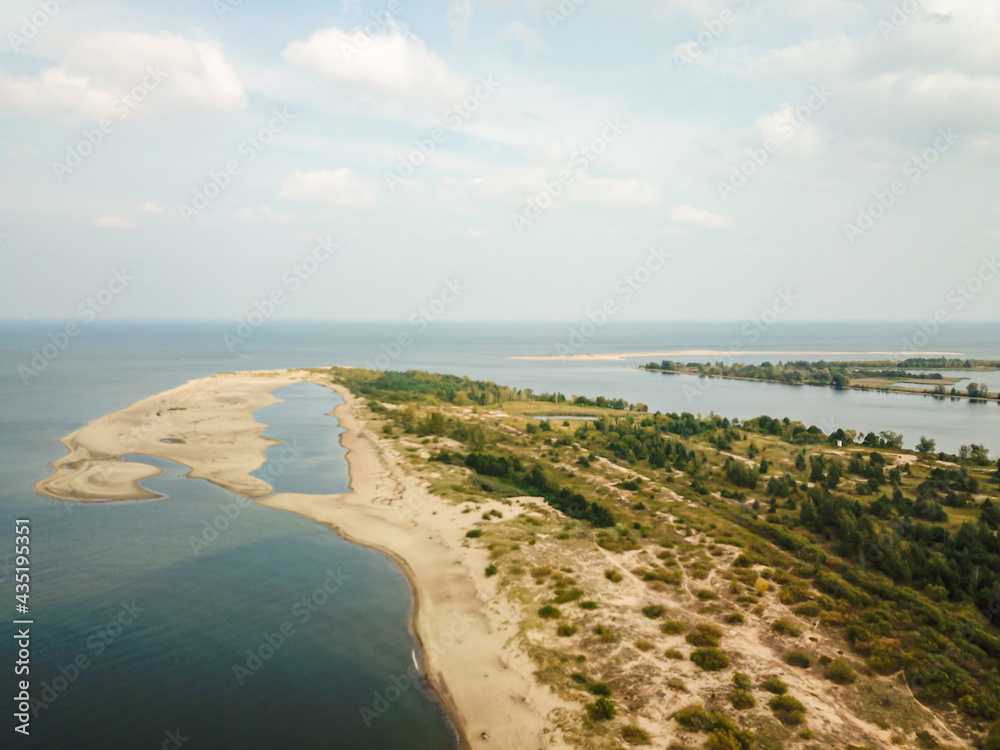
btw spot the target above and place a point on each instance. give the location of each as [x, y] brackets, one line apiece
[789, 710]
[613, 575]
[474, 534]
[798, 658]
[634, 735]
[672, 627]
[710, 659]
[566, 630]
[742, 699]
[696, 718]
[653, 611]
[607, 634]
[673, 653]
[643, 645]
[599, 688]
[549, 612]
[704, 635]
[735, 618]
[676, 683]
[774, 685]
[588, 605]
[603, 709]
[784, 626]
[568, 595]
[491, 570]
[807, 609]
[840, 671]
[724, 739]
[741, 681]
[705, 595]
[760, 586]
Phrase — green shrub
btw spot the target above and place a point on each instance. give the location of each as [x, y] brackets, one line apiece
[653, 611]
[634, 735]
[798, 658]
[784, 626]
[599, 688]
[704, 635]
[603, 709]
[787, 709]
[568, 595]
[673, 653]
[548, 612]
[724, 739]
[840, 671]
[807, 609]
[491, 570]
[742, 699]
[474, 534]
[607, 634]
[672, 627]
[566, 630]
[735, 618]
[710, 659]
[613, 575]
[705, 595]
[588, 605]
[695, 718]
[774, 685]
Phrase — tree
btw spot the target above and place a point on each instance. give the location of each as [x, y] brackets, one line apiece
[926, 445]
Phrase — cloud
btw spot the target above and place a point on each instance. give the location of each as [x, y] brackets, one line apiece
[459, 15]
[97, 70]
[334, 187]
[112, 222]
[152, 208]
[793, 134]
[264, 212]
[698, 217]
[393, 64]
[527, 36]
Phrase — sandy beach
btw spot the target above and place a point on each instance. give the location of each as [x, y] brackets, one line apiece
[616, 356]
[473, 652]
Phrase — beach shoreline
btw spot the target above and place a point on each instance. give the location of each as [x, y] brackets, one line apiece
[468, 639]
[619, 356]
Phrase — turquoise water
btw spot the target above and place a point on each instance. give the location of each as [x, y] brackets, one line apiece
[172, 667]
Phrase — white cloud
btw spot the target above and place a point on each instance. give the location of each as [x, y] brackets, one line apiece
[394, 64]
[112, 222]
[459, 15]
[264, 212]
[698, 217]
[152, 208]
[97, 70]
[337, 187]
[793, 134]
[527, 36]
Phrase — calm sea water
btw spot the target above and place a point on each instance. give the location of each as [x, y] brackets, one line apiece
[193, 611]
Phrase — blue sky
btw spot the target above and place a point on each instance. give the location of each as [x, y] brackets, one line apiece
[845, 153]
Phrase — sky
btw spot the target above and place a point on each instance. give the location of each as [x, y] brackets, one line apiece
[500, 159]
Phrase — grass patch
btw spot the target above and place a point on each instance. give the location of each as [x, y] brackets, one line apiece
[548, 612]
[784, 626]
[710, 659]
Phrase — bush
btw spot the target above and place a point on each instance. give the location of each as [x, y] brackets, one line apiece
[784, 626]
[735, 618]
[613, 575]
[474, 534]
[807, 609]
[603, 709]
[798, 658]
[704, 635]
[566, 630]
[568, 595]
[741, 681]
[789, 710]
[672, 627]
[491, 570]
[607, 634]
[775, 685]
[673, 653]
[724, 739]
[549, 612]
[643, 645]
[742, 699]
[588, 605]
[653, 611]
[705, 595]
[710, 659]
[634, 735]
[840, 671]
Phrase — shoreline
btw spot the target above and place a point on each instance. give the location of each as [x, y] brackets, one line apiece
[618, 356]
[469, 648]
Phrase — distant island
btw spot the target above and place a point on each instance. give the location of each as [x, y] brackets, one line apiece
[860, 375]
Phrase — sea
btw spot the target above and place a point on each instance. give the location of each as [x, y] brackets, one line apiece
[200, 620]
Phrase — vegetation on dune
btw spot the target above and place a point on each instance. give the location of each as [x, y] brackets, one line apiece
[894, 555]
